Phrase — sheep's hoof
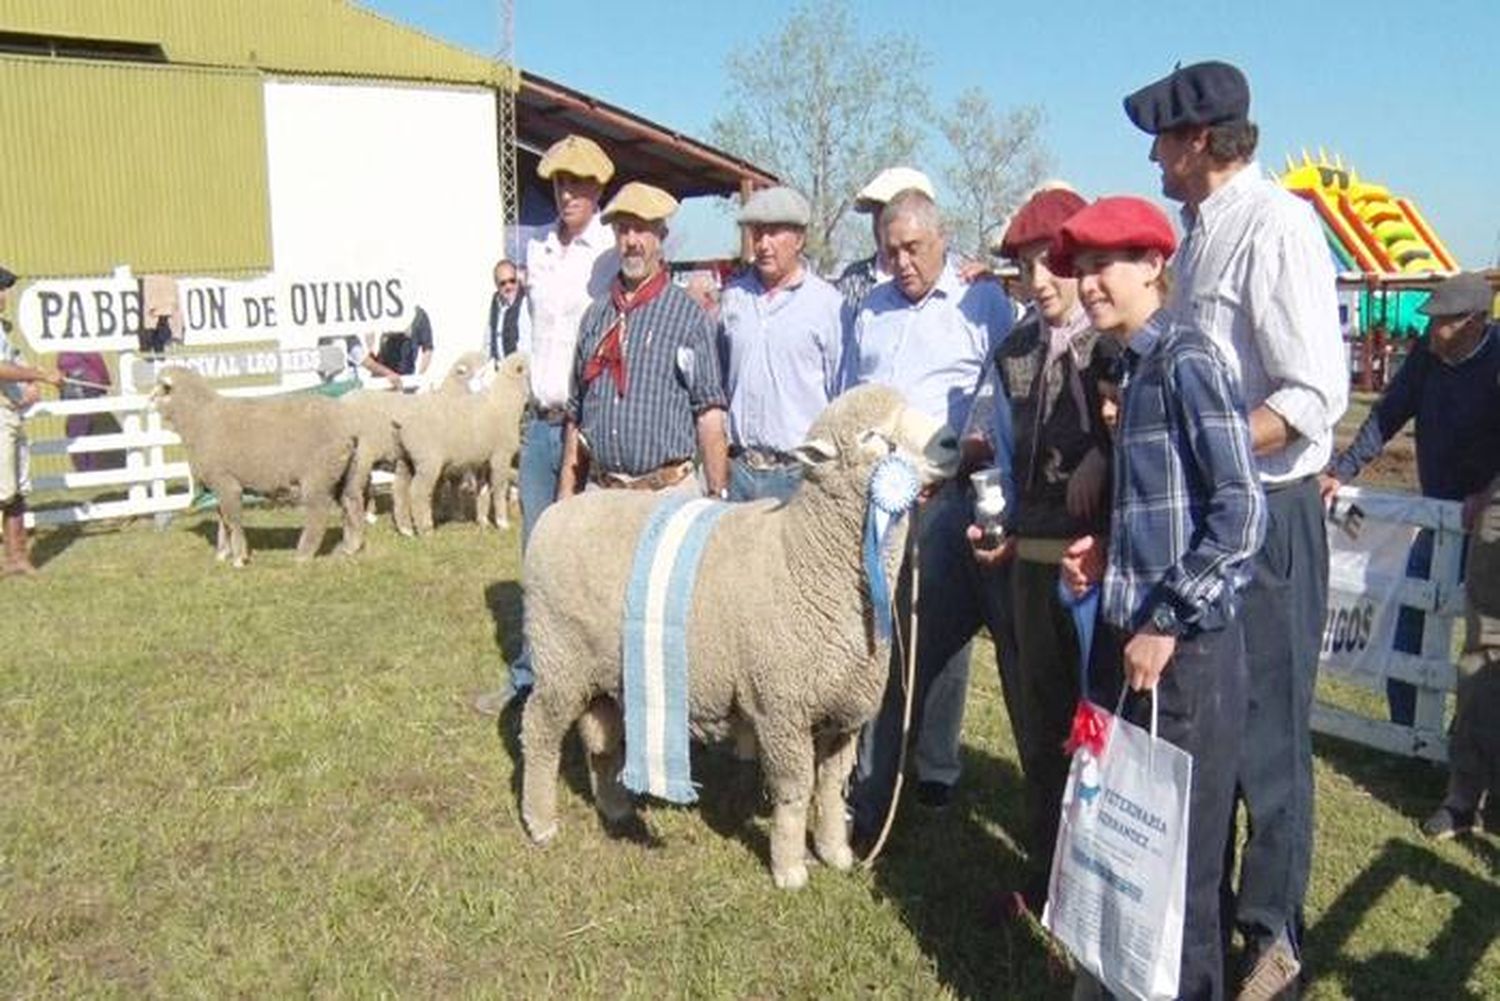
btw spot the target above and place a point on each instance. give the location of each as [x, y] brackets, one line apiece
[239, 564]
[793, 877]
[405, 531]
[349, 550]
[221, 555]
[541, 837]
[840, 857]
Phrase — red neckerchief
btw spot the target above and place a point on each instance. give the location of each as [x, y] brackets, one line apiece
[609, 356]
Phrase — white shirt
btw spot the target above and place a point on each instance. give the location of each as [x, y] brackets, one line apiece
[561, 282]
[1254, 273]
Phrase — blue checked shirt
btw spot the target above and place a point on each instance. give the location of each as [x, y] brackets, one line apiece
[1188, 511]
[672, 371]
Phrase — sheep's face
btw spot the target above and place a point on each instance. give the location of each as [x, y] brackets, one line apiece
[171, 383]
[871, 422]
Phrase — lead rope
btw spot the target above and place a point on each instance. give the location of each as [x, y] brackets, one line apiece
[908, 680]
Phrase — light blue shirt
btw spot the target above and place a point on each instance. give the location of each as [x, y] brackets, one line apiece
[933, 350]
[782, 357]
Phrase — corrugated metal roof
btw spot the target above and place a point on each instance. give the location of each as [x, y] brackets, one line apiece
[283, 36]
[159, 167]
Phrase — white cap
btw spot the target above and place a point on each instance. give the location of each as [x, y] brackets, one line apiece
[887, 184]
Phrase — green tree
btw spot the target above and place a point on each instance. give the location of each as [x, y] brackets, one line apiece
[996, 158]
[824, 107]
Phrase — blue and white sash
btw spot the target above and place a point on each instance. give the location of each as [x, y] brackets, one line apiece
[658, 600]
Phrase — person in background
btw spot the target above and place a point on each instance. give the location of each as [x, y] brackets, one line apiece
[1450, 385]
[510, 320]
[861, 276]
[20, 386]
[1254, 274]
[408, 352]
[781, 336]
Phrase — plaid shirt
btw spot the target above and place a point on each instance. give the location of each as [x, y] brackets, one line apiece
[1188, 511]
[672, 370]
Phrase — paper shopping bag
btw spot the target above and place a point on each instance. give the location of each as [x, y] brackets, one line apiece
[1118, 886]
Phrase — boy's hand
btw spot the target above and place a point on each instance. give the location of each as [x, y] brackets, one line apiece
[1147, 654]
[1086, 486]
[993, 557]
[1083, 564]
[1328, 485]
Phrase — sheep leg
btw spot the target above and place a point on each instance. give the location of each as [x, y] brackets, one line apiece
[544, 723]
[221, 545]
[830, 833]
[786, 757]
[602, 731]
[483, 499]
[231, 513]
[423, 482]
[316, 500]
[355, 487]
[401, 497]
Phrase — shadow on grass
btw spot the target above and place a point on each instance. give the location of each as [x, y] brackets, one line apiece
[271, 539]
[503, 599]
[1445, 965]
[1410, 786]
[48, 546]
[733, 794]
[945, 871]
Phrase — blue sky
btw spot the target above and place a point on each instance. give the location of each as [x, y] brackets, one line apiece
[1400, 90]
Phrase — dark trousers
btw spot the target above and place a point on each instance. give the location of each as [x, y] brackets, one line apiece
[1282, 609]
[1201, 699]
[955, 600]
[1047, 683]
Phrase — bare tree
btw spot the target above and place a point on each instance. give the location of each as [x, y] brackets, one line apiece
[824, 109]
[996, 159]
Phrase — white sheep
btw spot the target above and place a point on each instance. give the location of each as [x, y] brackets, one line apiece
[481, 430]
[781, 636]
[374, 414]
[300, 445]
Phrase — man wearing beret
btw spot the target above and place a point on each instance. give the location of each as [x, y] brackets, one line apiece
[20, 387]
[646, 390]
[781, 335]
[1059, 471]
[929, 335]
[1254, 273]
[567, 269]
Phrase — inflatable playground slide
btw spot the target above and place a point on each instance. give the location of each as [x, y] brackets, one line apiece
[1368, 228]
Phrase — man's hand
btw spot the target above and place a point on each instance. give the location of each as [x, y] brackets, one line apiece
[1086, 485]
[1083, 564]
[1147, 654]
[970, 271]
[1328, 485]
[53, 378]
[994, 556]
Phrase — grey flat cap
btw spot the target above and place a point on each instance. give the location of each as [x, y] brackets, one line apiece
[1460, 295]
[775, 205]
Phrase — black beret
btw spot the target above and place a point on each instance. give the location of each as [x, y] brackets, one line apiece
[7, 278]
[1200, 94]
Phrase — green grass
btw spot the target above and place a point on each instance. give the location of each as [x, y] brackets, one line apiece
[268, 783]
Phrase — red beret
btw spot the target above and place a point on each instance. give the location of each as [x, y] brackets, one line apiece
[1118, 223]
[1040, 218]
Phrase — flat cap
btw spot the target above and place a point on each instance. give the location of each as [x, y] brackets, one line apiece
[1040, 219]
[1460, 295]
[7, 278]
[776, 205]
[887, 184]
[1117, 223]
[1200, 94]
[641, 200]
[578, 156]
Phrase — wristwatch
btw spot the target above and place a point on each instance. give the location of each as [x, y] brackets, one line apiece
[1164, 620]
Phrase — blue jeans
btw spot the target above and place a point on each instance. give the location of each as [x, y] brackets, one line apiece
[746, 484]
[540, 466]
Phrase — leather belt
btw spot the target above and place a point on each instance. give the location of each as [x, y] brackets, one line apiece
[763, 458]
[666, 475]
[549, 415]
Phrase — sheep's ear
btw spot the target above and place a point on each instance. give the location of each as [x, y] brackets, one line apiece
[814, 452]
[876, 443]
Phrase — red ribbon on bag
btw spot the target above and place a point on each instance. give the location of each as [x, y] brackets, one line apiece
[1090, 729]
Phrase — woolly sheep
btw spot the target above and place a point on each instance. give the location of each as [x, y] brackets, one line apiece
[273, 446]
[480, 429]
[374, 414]
[780, 634]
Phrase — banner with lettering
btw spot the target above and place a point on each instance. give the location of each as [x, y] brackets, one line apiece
[108, 313]
[1367, 585]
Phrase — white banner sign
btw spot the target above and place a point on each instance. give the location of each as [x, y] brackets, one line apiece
[1366, 585]
[106, 314]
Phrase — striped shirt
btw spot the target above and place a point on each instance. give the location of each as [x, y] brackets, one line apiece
[672, 370]
[1188, 510]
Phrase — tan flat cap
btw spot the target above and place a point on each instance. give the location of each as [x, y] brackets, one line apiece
[643, 201]
[577, 156]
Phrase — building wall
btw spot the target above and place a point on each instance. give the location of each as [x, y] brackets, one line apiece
[374, 178]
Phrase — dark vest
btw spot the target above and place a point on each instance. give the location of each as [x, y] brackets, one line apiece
[505, 326]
